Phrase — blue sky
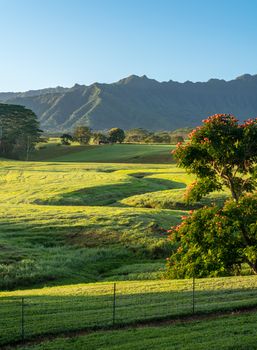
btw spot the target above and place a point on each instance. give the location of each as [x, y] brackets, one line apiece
[62, 42]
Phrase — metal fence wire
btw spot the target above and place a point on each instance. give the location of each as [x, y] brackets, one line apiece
[107, 305]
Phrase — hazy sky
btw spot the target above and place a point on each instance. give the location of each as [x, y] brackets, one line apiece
[61, 42]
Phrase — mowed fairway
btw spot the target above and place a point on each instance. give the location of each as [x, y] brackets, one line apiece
[117, 153]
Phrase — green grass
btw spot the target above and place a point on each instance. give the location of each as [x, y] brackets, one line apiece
[117, 153]
[237, 332]
[73, 307]
[101, 220]
[53, 148]
[86, 217]
[73, 213]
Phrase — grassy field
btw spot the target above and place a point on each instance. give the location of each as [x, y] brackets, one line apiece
[54, 310]
[237, 332]
[97, 214]
[67, 222]
[118, 153]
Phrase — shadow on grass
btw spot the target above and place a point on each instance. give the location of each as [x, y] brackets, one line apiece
[43, 252]
[110, 194]
[45, 315]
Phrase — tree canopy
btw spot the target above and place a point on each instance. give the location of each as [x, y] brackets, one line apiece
[66, 139]
[82, 134]
[116, 135]
[216, 241]
[19, 130]
[99, 138]
[220, 153]
[145, 136]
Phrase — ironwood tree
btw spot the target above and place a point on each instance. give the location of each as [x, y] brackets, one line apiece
[19, 131]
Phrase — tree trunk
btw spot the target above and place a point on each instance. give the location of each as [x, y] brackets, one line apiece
[235, 195]
[253, 266]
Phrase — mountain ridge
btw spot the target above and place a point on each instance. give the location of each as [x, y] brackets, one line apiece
[137, 101]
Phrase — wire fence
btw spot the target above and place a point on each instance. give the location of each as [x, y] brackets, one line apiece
[106, 305]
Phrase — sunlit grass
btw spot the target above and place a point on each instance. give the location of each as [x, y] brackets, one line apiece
[66, 224]
[81, 306]
[224, 333]
[124, 153]
[73, 213]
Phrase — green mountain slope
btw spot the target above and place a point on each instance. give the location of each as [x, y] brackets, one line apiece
[139, 102]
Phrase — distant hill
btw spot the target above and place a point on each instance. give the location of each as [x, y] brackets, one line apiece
[139, 102]
[5, 96]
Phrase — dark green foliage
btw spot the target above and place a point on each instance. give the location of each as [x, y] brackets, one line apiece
[116, 135]
[184, 132]
[176, 138]
[220, 153]
[98, 138]
[145, 136]
[66, 139]
[163, 137]
[215, 241]
[137, 135]
[153, 138]
[19, 131]
[82, 134]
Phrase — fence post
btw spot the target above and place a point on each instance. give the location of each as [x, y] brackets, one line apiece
[193, 299]
[114, 304]
[22, 319]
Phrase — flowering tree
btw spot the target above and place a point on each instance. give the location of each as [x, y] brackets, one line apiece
[220, 153]
[215, 241]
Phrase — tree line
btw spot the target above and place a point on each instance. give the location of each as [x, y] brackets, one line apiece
[19, 131]
[84, 135]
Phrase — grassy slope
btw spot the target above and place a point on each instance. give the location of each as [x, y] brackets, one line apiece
[77, 222]
[124, 153]
[72, 212]
[224, 333]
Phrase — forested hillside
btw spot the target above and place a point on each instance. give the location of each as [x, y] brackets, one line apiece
[139, 102]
